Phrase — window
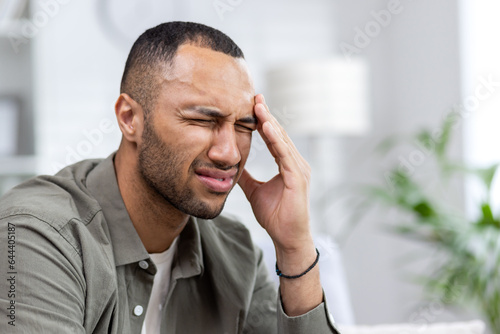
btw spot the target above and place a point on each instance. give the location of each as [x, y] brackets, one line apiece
[481, 79]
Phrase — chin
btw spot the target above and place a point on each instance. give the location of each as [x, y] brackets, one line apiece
[207, 209]
[207, 214]
[196, 205]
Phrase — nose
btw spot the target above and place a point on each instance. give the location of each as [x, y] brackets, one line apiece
[224, 150]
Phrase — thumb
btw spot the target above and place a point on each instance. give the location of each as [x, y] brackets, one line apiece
[247, 183]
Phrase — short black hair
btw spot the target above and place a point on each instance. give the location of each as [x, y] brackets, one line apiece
[157, 46]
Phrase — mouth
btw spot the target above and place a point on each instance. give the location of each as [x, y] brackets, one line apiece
[216, 180]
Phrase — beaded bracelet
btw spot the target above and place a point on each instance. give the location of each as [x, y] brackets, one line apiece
[280, 274]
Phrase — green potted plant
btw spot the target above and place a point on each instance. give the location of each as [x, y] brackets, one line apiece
[470, 246]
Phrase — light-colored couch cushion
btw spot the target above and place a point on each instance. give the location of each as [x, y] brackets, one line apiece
[471, 327]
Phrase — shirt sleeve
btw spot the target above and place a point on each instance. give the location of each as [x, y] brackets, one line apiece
[318, 320]
[266, 315]
[41, 291]
[261, 318]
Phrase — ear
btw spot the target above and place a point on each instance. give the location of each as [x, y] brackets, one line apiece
[130, 117]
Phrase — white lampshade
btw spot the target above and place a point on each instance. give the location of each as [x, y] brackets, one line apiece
[321, 97]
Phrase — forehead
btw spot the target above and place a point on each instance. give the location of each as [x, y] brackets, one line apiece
[209, 74]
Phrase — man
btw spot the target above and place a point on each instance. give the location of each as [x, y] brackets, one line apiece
[134, 243]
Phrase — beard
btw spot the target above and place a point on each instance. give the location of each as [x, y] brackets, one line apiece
[161, 168]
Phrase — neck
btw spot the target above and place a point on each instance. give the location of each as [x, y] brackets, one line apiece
[156, 221]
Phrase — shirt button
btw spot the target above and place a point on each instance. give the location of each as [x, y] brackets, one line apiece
[144, 264]
[138, 310]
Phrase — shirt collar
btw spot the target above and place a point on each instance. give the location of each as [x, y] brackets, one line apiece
[189, 259]
[127, 245]
[102, 184]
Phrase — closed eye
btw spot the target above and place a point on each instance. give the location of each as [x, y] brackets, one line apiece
[245, 128]
[203, 121]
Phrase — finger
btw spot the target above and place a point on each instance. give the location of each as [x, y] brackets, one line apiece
[300, 159]
[262, 120]
[285, 160]
[263, 113]
[248, 184]
[264, 116]
[259, 98]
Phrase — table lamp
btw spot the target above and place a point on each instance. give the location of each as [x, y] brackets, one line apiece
[324, 97]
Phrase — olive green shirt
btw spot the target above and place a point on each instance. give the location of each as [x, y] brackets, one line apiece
[72, 262]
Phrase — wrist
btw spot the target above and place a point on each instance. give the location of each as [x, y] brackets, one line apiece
[297, 260]
[295, 276]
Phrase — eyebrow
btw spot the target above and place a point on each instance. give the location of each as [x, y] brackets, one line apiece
[217, 114]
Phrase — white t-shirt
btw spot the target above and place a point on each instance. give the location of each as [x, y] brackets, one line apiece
[161, 283]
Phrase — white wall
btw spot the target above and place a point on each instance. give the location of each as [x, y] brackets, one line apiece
[15, 81]
[77, 76]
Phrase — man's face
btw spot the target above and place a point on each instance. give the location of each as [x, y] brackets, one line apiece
[197, 139]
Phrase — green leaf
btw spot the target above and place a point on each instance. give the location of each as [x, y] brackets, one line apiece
[487, 218]
[424, 210]
[442, 143]
[487, 175]
[380, 193]
[426, 138]
[387, 144]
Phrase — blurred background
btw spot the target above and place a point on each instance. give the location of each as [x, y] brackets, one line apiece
[366, 71]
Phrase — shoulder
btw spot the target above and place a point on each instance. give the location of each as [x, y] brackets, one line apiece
[57, 213]
[55, 199]
[55, 208]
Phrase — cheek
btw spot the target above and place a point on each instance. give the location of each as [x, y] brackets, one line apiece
[190, 138]
[192, 144]
[244, 144]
